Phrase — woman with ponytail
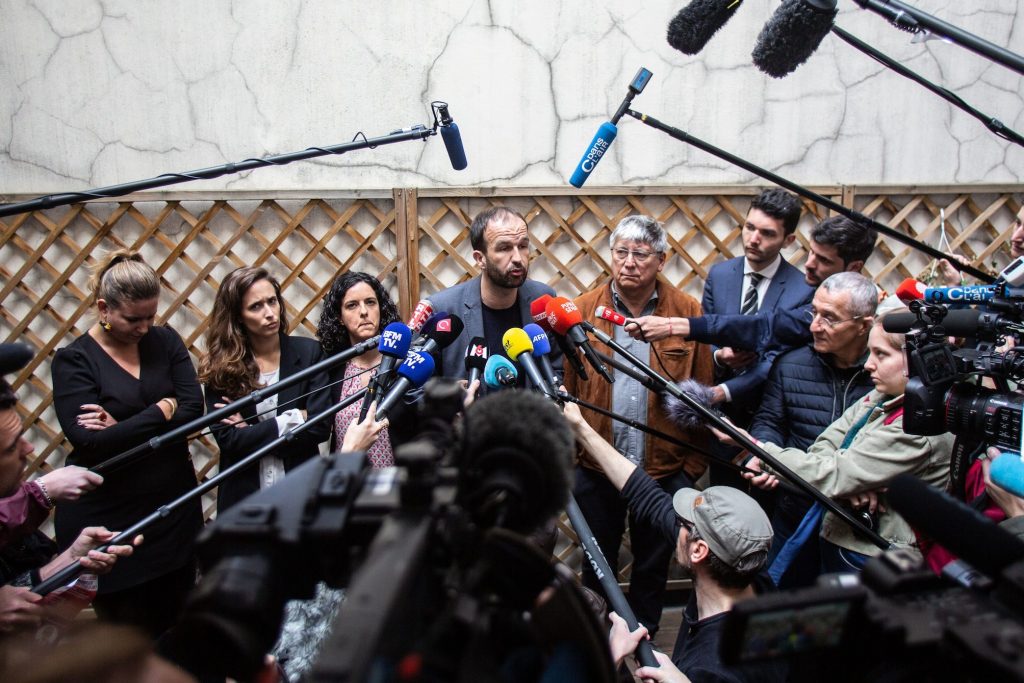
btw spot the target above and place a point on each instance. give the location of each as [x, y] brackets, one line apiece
[123, 382]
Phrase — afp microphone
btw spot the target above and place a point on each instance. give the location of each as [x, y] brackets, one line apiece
[414, 371]
[520, 349]
[476, 358]
[538, 311]
[500, 373]
[792, 34]
[541, 349]
[565, 318]
[393, 346]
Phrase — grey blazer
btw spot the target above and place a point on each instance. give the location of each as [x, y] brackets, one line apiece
[463, 300]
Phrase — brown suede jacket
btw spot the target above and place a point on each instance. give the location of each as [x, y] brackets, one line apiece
[681, 359]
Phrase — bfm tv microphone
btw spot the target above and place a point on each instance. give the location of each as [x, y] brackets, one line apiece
[14, 357]
[966, 532]
[606, 133]
[393, 346]
[500, 373]
[565, 318]
[541, 349]
[414, 371]
[608, 314]
[792, 34]
[451, 136]
[694, 25]
[476, 358]
[538, 310]
[519, 348]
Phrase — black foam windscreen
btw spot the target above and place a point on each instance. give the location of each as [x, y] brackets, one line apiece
[517, 460]
[14, 357]
[694, 25]
[792, 34]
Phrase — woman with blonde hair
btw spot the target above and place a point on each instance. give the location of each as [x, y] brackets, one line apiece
[248, 348]
[121, 383]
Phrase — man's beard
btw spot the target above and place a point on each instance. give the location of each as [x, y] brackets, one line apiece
[502, 279]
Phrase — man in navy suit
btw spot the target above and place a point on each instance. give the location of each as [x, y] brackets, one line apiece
[500, 297]
[760, 280]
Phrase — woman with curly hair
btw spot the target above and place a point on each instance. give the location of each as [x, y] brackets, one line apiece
[247, 348]
[123, 382]
[356, 308]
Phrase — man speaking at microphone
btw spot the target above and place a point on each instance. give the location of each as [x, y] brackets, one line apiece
[499, 298]
[638, 250]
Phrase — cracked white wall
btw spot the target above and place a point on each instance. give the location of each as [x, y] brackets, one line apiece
[99, 92]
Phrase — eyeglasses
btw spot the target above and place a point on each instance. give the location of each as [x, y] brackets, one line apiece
[638, 256]
[826, 320]
[686, 524]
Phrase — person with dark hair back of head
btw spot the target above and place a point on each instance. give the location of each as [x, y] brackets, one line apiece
[497, 300]
[720, 534]
[115, 387]
[248, 348]
[356, 308]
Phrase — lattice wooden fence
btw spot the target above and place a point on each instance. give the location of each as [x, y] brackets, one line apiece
[416, 242]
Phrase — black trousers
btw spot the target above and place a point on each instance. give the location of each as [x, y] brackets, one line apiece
[606, 513]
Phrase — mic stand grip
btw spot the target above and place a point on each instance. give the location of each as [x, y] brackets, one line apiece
[63, 576]
[742, 440]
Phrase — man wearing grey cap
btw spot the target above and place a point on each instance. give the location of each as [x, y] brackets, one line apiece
[720, 534]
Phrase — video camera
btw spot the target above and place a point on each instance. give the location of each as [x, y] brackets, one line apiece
[438, 578]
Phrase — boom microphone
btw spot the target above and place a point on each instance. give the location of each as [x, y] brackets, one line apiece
[966, 532]
[692, 28]
[393, 346]
[959, 322]
[681, 413]
[500, 373]
[520, 349]
[538, 311]
[541, 349]
[792, 34]
[414, 371]
[14, 357]
[451, 136]
[565, 318]
[519, 467]
[610, 315]
[476, 358]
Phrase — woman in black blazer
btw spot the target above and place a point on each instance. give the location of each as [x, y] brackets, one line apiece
[247, 349]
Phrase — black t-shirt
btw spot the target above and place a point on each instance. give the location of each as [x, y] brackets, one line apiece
[497, 321]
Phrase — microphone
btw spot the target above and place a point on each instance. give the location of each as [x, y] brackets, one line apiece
[476, 358]
[519, 348]
[959, 322]
[500, 373]
[451, 136]
[682, 414]
[441, 330]
[959, 295]
[518, 469]
[1007, 471]
[694, 25]
[414, 371]
[565, 318]
[792, 34]
[910, 290]
[393, 345]
[606, 133]
[14, 356]
[606, 313]
[541, 349]
[424, 309]
[538, 310]
[967, 533]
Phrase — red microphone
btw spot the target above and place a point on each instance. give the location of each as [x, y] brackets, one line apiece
[424, 309]
[608, 314]
[565, 318]
[538, 311]
[910, 290]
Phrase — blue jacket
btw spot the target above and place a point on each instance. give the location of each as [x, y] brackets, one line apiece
[804, 394]
[722, 292]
